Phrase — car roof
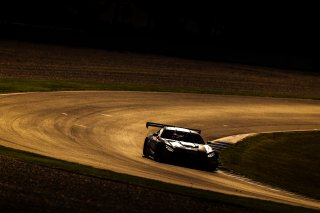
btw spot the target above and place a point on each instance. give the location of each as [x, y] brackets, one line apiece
[180, 129]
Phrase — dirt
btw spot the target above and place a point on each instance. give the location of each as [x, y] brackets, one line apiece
[27, 187]
[30, 188]
[49, 62]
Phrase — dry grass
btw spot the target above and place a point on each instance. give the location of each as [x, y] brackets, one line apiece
[19, 60]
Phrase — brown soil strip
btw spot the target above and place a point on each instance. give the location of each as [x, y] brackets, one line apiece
[48, 62]
[27, 187]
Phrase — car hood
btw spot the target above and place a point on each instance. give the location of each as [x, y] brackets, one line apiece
[190, 146]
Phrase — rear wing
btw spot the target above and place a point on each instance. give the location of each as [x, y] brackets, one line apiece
[166, 125]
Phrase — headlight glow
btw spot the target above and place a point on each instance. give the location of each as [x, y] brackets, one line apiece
[210, 155]
[169, 148]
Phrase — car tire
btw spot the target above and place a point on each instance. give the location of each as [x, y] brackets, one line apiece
[209, 168]
[145, 151]
[158, 154]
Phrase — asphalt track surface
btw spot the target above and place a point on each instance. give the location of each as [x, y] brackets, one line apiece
[107, 130]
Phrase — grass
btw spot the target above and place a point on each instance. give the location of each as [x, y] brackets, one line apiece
[288, 160]
[19, 85]
[43, 65]
[14, 85]
[11, 85]
[20, 61]
[252, 204]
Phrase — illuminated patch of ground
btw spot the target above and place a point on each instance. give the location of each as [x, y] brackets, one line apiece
[288, 160]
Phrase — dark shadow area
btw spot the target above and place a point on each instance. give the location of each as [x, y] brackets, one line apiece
[266, 35]
[188, 164]
[56, 190]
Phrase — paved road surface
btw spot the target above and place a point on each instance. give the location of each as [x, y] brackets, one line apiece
[107, 130]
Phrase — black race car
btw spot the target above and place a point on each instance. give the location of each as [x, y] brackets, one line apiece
[180, 145]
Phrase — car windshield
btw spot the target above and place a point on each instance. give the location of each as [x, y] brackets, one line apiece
[182, 136]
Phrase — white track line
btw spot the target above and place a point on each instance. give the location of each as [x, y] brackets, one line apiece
[79, 125]
[106, 115]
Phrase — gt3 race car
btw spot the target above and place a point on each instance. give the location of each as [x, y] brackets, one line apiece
[180, 145]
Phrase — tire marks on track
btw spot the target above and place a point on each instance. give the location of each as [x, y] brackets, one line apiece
[34, 122]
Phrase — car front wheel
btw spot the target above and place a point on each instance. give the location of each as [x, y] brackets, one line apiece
[158, 155]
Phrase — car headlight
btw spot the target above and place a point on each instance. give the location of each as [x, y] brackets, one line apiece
[169, 148]
[210, 155]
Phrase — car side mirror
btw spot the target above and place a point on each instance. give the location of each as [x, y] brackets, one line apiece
[155, 134]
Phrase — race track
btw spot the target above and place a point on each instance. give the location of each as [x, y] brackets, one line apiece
[107, 130]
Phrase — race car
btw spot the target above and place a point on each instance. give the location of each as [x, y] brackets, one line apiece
[180, 145]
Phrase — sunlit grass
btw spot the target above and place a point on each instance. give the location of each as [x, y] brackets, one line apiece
[232, 201]
[287, 160]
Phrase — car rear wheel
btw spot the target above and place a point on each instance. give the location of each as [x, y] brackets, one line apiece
[145, 151]
[212, 166]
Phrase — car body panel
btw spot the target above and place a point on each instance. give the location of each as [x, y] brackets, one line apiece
[179, 145]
